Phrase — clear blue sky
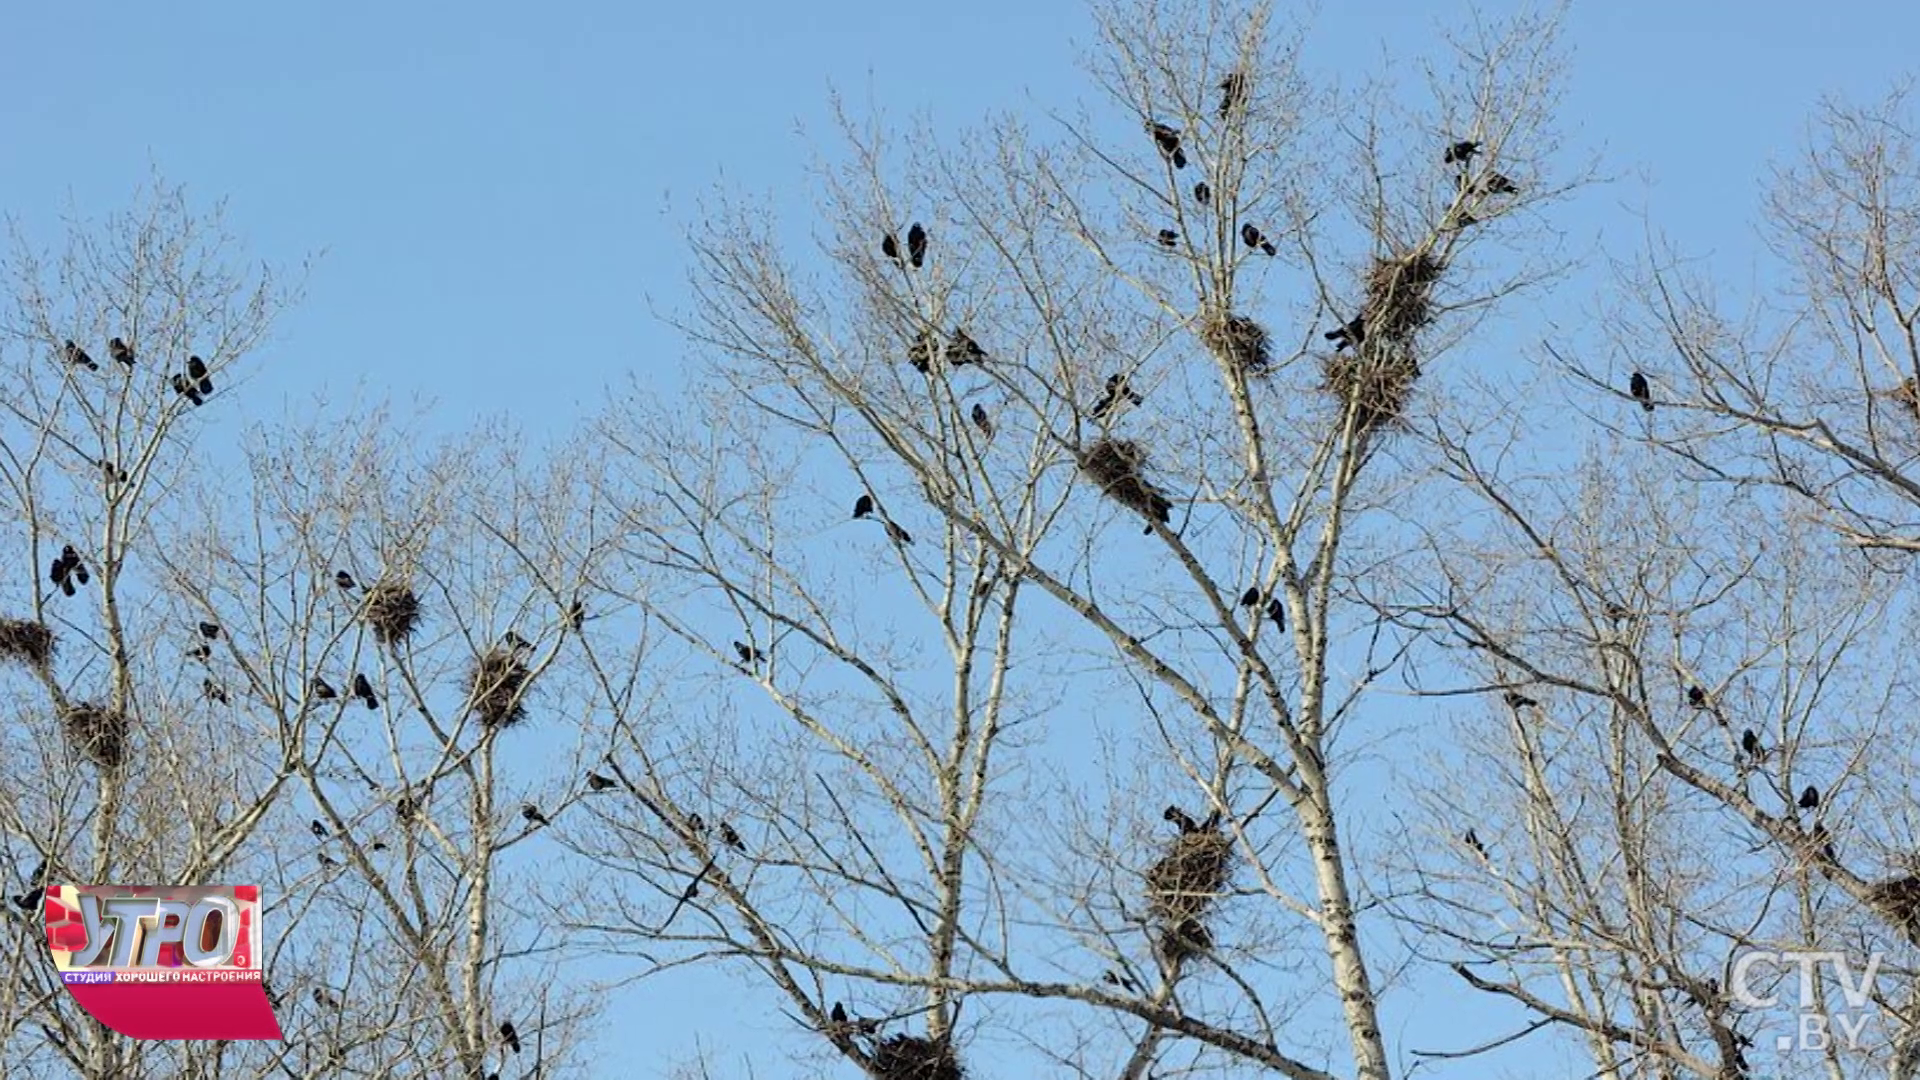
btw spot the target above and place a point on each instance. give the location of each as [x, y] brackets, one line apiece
[501, 188]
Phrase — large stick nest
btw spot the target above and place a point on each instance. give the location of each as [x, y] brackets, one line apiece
[26, 641]
[1899, 901]
[1183, 885]
[392, 612]
[909, 1057]
[1115, 465]
[99, 733]
[1398, 292]
[1377, 377]
[497, 687]
[1239, 341]
[1376, 381]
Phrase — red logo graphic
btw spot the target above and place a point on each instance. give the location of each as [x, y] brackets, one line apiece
[163, 963]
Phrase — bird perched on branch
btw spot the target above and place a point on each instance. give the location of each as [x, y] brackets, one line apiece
[1168, 140]
[1516, 699]
[1180, 818]
[1461, 152]
[917, 246]
[1641, 391]
[533, 815]
[981, 420]
[78, 357]
[597, 782]
[344, 580]
[121, 353]
[1233, 92]
[363, 690]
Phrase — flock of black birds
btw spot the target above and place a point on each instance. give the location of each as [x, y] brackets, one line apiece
[68, 570]
[195, 385]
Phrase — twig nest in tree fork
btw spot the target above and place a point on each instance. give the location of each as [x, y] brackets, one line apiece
[1115, 465]
[1899, 901]
[1397, 296]
[1183, 885]
[910, 1057]
[497, 687]
[26, 641]
[1376, 380]
[97, 732]
[391, 611]
[1238, 341]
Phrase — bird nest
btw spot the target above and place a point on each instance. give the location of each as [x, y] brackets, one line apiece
[26, 641]
[1183, 885]
[1377, 382]
[392, 612]
[98, 732]
[1239, 341]
[497, 687]
[1899, 901]
[1115, 465]
[1397, 296]
[910, 1057]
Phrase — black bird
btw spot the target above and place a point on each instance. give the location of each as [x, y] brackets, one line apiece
[201, 651]
[214, 691]
[1497, 184]
[839, 1013]
[513, 642]
[1353, 332]
[917, 245]
[1179, 817]
[79, 570]
[731, 838]
[1168, 238]
[1250, 235]
[1641, 392]
[197, 371]
[114, 473]
[61, 572]
[898, 534]
[1826, 843]
[1117, 391]
[1267, 249]
[862, 506]
[321, 689]
[121, 354]
[1233, 91]
[327, 860]
[210, 631]
[512, 1037]
[344, 580]
[1202, 194]
[1250, 598]
[1461, 152]
[1750, 743]
[890, 247]
[696, 823]
[1473, 841]
[1168, 140]
[1810, 798]
[1696, 697]
[31, 898]
[747, 653]
[963, 350]
[378, 846]
[1212, 822]
[1516, 699]
[596, 782]
[363, 690]
[184, 388]
[577, 616]
[533, 815]
[981, 420]
[1278, 613]
[324, 999]
[78, 356]
[317, 829]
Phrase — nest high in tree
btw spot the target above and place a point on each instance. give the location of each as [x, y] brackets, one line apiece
[1238, 341]
[26, 641]
[1115, 465]
[1377, 380]
[97, 732]
[909, 1057]
[391, 611]
[497, 688]
[1183, 885]
[1378, 375]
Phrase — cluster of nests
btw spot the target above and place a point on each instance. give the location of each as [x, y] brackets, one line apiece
[1116, 465]
[497, 687]
[1377, 376]
[1183, 885]
[910, 1057]
[391, 611]
[97, 732]
[26, 641]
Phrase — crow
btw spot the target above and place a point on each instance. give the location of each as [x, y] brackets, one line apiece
[862, 506]
[114, 473]
[1352, 332]
[197, 371]
[898, 534]
[1826, 842]
[596, 782]
[214, 691]
[1267, 249]
[1750, 743]
[1461, 152]
[321, 689]
[1810, 798]
[747, 653]
[513, 642]
[31, 898]
[327, 860]
[317, 829]
[121, 354]
[1516, 699]
[1212, 822]
[1250, 598]
[1202, 194]
[1168, 238]
[363, 690]
[1250, 235]
[1117, 391]
[963, 350]
[1473, 841]
[533, 815]
[890, 247]
[1233, 91]
[1168, 140]
[511, 1036]
[344, 580]
[210, 631]
[981, 420]
[378, 846]
[576, 616]
[184, 388]
[839, 1013]
[1278, 613]
[79, 570]
[731, 838]
[1497, 184]
[201, 651]
[324, 999]
[917, 245]
[1179, 817]
[1641, 392]
[1696, 697]
[78, 356]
